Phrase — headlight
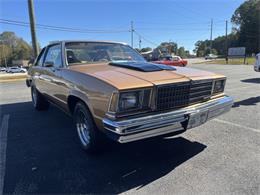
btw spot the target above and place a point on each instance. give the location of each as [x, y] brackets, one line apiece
[219, 86]
[130, 101]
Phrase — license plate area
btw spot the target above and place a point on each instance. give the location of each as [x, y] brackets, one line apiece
[197, 119]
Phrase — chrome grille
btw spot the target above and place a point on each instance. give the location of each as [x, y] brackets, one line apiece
[200, 91]
[183, 94]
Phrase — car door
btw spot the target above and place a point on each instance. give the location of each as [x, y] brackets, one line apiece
[52, 75]
[49, 70]
[36, 70]
[175, 61]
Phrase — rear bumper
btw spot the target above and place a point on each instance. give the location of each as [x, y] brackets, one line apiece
[158, 124]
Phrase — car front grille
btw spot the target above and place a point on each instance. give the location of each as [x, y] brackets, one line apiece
[183, 94]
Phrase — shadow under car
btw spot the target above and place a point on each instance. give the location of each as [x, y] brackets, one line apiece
[43, 156]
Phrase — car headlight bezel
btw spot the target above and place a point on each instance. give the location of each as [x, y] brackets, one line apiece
[130, 101]
[218, 86]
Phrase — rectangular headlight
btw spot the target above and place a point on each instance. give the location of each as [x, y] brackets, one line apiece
[130, 101]
[218, 86]
[134, 100]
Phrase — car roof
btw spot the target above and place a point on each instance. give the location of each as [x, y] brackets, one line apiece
[90, 41]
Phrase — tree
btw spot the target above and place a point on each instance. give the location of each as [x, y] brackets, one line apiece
[170, 46]
[218, 45]
[9, 38]
[247, 19]
[246, 33]
[5, 54]
[22, 51]
[181, 52]
[14, 48]
[201, 48]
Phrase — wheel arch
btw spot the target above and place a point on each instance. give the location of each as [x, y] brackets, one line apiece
[76, 96]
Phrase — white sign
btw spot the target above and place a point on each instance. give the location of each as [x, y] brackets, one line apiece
[236, 52]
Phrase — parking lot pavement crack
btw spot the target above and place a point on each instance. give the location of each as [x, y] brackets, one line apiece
[3, 144]
[237, 125]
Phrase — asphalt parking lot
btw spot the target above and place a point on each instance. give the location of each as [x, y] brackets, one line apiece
[39, 152]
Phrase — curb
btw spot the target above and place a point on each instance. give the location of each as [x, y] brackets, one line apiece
[8, 78]
[11, 80]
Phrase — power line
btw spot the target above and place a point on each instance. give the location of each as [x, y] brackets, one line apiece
[145, 39]
[173, 29]
[60, 28]
[170, 22]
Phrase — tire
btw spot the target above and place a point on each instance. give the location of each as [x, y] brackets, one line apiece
[38, 100]
[89, 137]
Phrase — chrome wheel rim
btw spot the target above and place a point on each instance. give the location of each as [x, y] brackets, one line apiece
[34, 97]
[83, 128]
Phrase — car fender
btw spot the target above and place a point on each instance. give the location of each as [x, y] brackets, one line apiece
[82, 96]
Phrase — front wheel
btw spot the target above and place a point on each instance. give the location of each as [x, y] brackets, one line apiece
[88, 134]
[39, 102]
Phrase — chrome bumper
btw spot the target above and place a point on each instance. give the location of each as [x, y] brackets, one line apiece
[158, 124]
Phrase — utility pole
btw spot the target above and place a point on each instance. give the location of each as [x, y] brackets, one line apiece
[132, 34]
[140, 42]
[226, 42]
[32, 25]
[211, 26]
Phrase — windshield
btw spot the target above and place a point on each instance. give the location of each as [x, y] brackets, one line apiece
[94, 52]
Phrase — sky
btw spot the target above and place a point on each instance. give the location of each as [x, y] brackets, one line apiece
[154, 21]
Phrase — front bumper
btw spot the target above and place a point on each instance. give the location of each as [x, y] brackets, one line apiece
[158, 124]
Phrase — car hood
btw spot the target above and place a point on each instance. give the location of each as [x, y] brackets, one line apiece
[128, 78]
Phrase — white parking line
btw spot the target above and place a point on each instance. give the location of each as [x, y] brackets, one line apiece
[237, 125]
[3, 144]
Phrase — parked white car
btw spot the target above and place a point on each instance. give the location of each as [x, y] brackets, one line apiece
[16, 69]
[2, 69]
[211, 56]
[257, 63]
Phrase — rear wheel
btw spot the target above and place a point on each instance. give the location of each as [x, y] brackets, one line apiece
[88, 134]
[38, 100]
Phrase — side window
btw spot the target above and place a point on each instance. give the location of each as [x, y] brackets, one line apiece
[54, 56]
[40, 58]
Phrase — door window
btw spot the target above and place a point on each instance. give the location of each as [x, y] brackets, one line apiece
[40, 58]
[53, 56]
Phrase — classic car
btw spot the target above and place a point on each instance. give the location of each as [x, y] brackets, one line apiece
[111, 91]
[171, 61]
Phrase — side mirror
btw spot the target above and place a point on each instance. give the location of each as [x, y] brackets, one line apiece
[31, 62]
[48, 64]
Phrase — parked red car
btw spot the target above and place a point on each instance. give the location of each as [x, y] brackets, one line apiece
[172, 61]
